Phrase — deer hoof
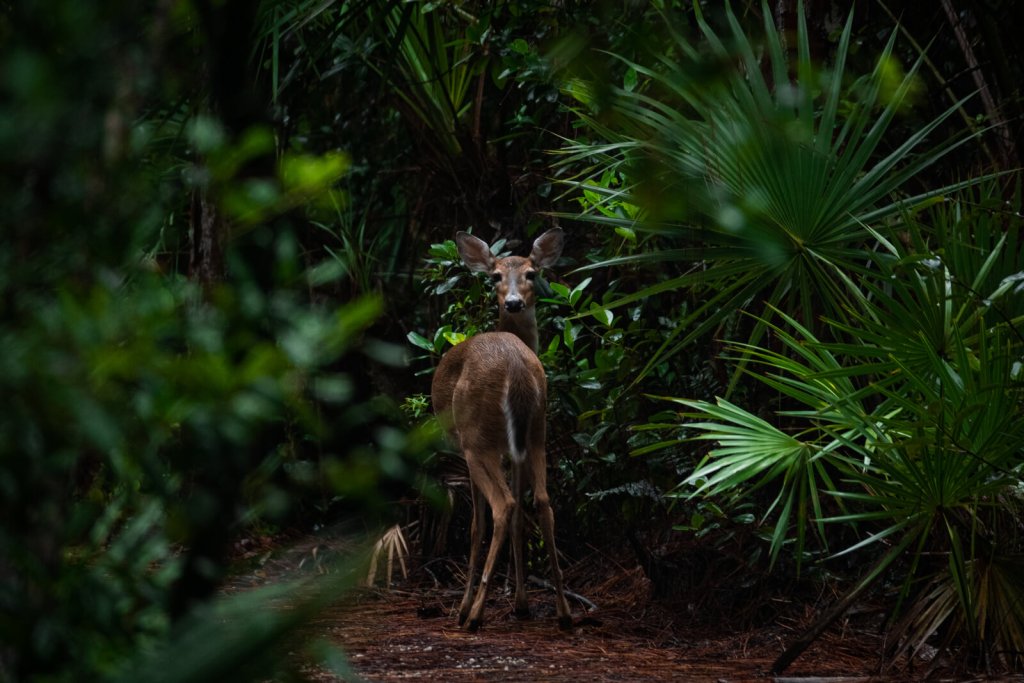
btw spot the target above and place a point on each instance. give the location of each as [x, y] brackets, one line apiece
[522, 612]
[565, 623]
[473, 626]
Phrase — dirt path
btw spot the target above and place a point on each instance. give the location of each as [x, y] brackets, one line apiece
[409, 632]
[384, 644]
[399, 636]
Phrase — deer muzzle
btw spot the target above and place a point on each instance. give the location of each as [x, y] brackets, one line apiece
[514, 304]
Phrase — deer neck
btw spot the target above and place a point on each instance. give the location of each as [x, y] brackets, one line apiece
[523, 325]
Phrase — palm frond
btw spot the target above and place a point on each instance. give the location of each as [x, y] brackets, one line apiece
[389, 548]
[787, 187]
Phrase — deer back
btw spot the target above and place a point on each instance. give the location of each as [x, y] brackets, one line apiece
[490, 393]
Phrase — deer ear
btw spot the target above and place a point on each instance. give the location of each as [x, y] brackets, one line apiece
[547, 248]
[474, 252]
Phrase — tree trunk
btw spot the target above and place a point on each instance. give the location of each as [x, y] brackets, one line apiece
[206, 241]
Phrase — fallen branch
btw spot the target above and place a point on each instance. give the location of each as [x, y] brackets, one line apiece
[544, 583]
[798, 646]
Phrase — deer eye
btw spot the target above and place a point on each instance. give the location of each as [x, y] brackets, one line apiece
[530, 274]
[495, 278]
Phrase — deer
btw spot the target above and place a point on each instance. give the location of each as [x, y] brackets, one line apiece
[490, 394]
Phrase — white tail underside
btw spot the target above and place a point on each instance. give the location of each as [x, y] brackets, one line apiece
[518, 456]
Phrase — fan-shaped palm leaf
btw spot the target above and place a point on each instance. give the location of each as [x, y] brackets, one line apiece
[783, 179]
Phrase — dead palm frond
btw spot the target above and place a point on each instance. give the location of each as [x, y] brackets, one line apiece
[390, 546]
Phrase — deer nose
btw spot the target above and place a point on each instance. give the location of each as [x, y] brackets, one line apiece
[513, 305]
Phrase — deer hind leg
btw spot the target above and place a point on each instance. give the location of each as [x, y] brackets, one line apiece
[546, 518]
[489, 477]
[477, 527]
[522, 607]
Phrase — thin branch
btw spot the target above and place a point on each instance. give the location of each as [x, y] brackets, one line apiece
[943, 81]
[544, 583]
[991, 110]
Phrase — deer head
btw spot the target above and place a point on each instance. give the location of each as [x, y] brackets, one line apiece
[514, 278]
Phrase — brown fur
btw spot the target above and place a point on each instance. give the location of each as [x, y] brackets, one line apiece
[490, 394]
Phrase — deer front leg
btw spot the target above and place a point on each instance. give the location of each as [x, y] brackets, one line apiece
[476, 535]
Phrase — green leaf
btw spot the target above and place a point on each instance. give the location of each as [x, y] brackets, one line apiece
[455, 338]
[417, 339]
[561, 290]
[630, 80]
[577, 291]
[520, 46]
[603, 315]
[627, 234]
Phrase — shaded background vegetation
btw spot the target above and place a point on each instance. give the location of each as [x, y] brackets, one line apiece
[224, 281]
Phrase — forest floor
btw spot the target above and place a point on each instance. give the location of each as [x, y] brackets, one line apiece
[409, 631]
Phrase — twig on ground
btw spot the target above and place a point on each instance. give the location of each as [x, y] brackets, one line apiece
[544, 583]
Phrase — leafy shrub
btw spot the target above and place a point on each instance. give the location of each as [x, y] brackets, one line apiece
[150, 419]
[909, 430]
